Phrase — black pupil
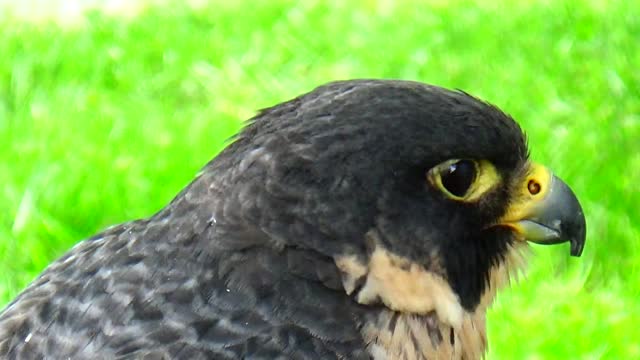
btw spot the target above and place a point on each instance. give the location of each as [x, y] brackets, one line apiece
[458, 177]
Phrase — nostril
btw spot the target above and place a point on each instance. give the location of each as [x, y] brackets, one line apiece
[533, 187]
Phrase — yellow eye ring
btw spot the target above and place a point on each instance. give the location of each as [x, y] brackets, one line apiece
[463, 179]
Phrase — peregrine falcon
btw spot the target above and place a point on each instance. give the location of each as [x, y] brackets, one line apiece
[366, 219]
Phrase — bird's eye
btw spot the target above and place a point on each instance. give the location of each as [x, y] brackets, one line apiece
[464, 179]
[458, 177]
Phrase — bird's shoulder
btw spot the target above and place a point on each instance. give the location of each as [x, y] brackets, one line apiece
[115, 295]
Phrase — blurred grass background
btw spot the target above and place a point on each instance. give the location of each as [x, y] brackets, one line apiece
[107, 109]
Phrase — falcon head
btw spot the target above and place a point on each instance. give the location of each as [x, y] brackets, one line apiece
[365, 219]
[422, 196]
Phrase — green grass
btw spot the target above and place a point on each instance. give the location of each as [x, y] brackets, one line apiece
[103, 119]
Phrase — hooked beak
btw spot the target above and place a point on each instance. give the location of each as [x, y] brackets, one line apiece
[546, 211]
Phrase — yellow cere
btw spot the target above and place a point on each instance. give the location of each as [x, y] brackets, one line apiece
[529, 191]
